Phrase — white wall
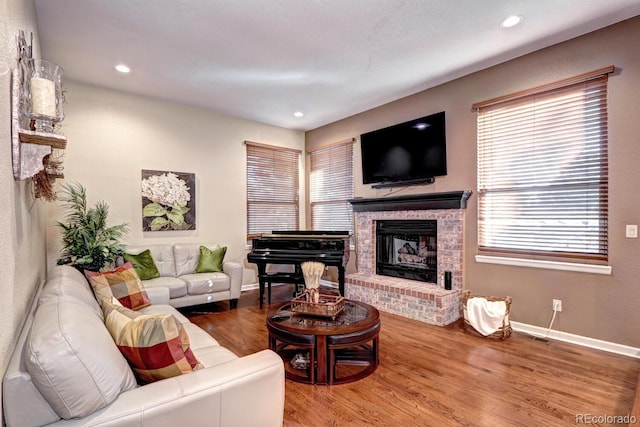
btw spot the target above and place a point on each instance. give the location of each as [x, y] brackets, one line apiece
[112, 136]
[22, 219]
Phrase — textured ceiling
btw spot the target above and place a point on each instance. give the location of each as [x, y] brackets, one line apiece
[265, 59]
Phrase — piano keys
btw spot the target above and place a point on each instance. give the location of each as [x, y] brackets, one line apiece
[295, 247]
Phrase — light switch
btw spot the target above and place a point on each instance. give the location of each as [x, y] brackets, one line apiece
[632, 231]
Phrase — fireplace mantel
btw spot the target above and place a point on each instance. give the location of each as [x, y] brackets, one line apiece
[448, 200]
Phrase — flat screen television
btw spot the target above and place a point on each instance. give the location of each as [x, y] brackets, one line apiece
[412, 152]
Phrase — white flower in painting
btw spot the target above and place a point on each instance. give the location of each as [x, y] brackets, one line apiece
[166, 189]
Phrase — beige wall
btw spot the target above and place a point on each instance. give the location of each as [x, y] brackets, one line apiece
[22, 221]
[112, 136]
[597, 306]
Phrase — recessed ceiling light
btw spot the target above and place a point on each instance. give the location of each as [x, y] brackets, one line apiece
[298, 114]
[122, 68]
[511, 21]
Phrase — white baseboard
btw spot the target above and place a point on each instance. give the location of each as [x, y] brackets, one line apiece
[328, 284]
[611, 347]
[249, 287]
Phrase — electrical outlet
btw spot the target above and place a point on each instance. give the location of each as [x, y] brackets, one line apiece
[631, 231]
[557, 305]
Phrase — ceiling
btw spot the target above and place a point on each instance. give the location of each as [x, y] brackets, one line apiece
[263, 60]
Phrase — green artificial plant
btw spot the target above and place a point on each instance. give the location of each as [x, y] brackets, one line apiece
[88, 244]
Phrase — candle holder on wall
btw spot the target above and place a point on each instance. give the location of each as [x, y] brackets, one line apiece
[42, 93]
[36, 110]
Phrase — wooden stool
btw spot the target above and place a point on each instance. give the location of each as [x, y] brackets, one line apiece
[352, 349]
[287, 345]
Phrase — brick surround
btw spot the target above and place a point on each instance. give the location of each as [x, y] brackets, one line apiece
[427, 302]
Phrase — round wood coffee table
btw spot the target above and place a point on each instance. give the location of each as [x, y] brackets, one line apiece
[321, 350]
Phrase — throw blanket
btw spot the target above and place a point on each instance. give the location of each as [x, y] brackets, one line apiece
[485, 316]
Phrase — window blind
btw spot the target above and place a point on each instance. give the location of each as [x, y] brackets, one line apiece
[272, 189]
[543, 173]
[331, 187]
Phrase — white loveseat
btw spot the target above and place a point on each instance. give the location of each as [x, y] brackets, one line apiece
[177, 264]
[67, 371]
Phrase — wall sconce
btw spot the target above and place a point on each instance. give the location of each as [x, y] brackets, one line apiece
[42, 93]
[36, 109]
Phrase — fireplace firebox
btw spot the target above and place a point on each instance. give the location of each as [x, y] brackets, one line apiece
[407, 249]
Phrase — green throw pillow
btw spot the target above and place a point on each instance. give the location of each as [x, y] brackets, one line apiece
[143, 264]
[210, 260]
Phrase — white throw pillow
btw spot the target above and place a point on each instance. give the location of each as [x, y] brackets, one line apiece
[73, 360]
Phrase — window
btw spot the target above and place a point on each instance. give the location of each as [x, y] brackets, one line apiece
[272, 189]
[331, 187]
[542, 171]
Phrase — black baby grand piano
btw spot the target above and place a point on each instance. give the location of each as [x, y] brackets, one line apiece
[295, 247]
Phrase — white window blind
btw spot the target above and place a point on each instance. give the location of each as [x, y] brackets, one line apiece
[331, 187]
[543, 172]
[272, 189]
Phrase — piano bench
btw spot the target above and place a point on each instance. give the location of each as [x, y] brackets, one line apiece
[268, 278]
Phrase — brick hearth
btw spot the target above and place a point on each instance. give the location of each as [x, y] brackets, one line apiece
[427, 302]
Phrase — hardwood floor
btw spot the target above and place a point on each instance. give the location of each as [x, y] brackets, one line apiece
[443, 376]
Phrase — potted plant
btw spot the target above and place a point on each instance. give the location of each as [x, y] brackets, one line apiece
[88, 244]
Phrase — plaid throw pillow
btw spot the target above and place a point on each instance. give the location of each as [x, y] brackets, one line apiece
[156, 346]
[122, 283]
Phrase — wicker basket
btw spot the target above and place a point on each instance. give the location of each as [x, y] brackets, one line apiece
[503, 332]
[327, 306]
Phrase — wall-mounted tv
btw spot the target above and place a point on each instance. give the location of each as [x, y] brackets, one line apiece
[412, 152]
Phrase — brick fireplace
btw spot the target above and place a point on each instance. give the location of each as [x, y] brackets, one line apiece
[425, 301]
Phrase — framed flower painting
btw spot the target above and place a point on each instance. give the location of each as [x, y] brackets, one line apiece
[168, 201]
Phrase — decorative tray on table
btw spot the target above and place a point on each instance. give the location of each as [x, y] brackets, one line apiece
[327, 305]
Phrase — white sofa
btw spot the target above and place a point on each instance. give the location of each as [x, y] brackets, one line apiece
[67, 371]
[177, 266]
